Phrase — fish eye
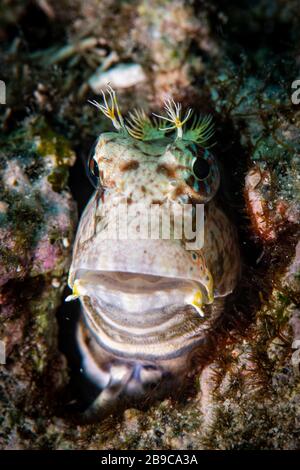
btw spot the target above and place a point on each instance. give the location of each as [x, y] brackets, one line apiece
[93, 167]
[201, 168]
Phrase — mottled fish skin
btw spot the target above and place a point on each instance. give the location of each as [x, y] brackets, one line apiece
[134, 339]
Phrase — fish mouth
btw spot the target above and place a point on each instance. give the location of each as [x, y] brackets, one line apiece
[160, 258]
[140, 315]
[135, 292]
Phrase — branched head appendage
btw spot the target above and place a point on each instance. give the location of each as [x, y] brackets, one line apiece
[112, 112]
[173, 111]
[201, 130]
[139, 125]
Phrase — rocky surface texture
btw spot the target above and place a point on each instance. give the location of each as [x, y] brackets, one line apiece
[37, 221]
[233, 59]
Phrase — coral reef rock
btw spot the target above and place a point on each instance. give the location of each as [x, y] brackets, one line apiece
[37, 221]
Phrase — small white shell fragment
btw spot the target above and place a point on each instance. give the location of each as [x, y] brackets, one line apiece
[55, 283]
[121, 76]
[66, 242]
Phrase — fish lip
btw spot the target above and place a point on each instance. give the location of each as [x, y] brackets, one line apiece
[154, 257]
[85, 273]
[161, 282]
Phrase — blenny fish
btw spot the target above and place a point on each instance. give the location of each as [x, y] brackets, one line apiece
[148, 304]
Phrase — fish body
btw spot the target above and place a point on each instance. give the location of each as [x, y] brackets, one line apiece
[150, 290]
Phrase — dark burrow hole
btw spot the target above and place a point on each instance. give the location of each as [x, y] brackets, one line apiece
[80, 392]
[240, 307]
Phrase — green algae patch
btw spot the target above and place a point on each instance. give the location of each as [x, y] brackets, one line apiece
[59, 178]
[56, 148]
[49, 143]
